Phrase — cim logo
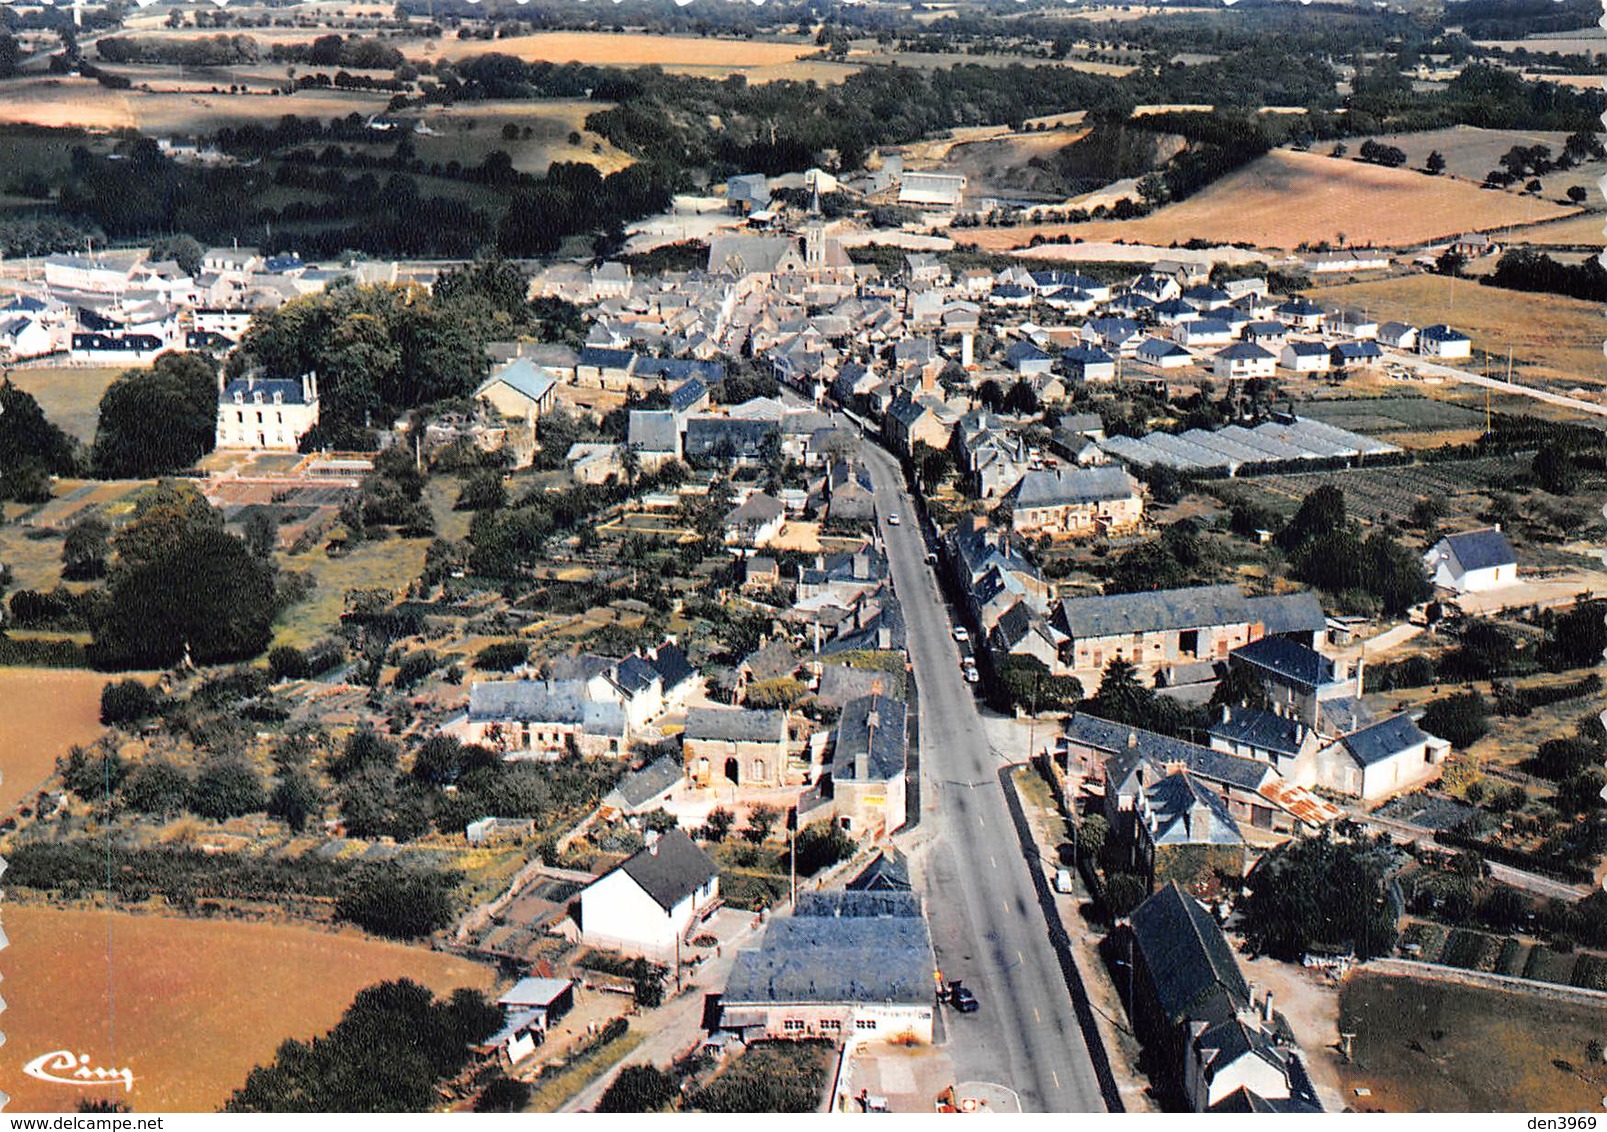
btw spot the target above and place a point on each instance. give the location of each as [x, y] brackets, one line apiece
[64, 1067]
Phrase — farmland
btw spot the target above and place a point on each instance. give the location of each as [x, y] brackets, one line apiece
[43, 711]
[1555, 341]
[1471, 152]
[628, 50]
[52, 101]
[1371, 492]
[1407, 421]
[1571, 232]
[1287, 198]
[189, 1030]
[1426, 1046]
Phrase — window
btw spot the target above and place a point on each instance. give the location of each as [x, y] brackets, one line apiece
[241, 417]
[864, 1023]
[792, 1025]
[831, 1025]
[758, 770]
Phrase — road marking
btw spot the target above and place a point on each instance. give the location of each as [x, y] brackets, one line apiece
[1006, 904]
[995, 861]
[1020, 958]
[980, 822]
[1056, 1077]
[1036, 1017]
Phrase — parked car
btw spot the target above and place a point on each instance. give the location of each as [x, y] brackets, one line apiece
[961, 998]
[892, 520]
[1063, 880]
[960, 634]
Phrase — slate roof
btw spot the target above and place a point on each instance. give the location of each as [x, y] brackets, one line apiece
[1183, 812]
[1260, 730]
[601, 357]
[687, 394]
[1266, 330]
[674, 669]
[840, 947]
[707, 436]
[290, 392]
[1187, 957]
[887, 872]
[1080, 356]
[543, 701]
[1300, 307]
[1189, 608]
[1481, 549]
[652, 430]
[1351, 351]
[883, 745]
[1132, 746]
[1383, 739]
[1201, 327]
[534, 992]
[1245, 351]
[641, 786]
[741, 725]
[671, 869]
[522, 375]
[1439, 332]
[1061, 486]
[1025, 352]
[1161, 348]
[633, 675]
[1288, 662]
[1306, 349]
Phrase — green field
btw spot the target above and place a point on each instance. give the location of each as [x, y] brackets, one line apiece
[1375, 415]
[70, 396]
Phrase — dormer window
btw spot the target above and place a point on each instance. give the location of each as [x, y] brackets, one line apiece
[239, 398]
[278, 397]
[257, 396]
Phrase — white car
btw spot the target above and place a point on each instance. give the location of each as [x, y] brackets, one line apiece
[892, 520]
[960, 634]
[971, 675]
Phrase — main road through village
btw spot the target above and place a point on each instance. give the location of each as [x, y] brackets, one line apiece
[988, 925]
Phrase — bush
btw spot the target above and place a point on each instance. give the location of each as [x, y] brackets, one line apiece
[398, 903]
[287, 663]
[640, 1088]
[505, 1094]
[127, 701]
[227, 788]
[503, 656]
[1461, 720]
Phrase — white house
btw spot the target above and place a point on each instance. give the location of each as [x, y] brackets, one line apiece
[648, 903]
[1472, 562]
[267, 414]
[1162, 354]
[25, 337]
[1243, 360]
[1305, 357]
[1202, 332]
[1353, 324]
[1397, 335]
[1440, 341]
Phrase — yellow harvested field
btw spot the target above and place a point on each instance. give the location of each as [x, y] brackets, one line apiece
[1555, 341]
[1287, 198]
[1588, 230]
[43, 712]
[632, 50]
[84, 102]
[189, 1006]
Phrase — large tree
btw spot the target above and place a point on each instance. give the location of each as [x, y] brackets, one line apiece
[159, 420]
[182, 584]
[31, 448]
[1321, 890]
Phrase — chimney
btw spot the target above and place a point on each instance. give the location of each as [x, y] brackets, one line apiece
[1361, 668]
[1267, 1009]
[1227, 714]
[967, 349]
[650, 842]
[928, 379]
[1132, 740]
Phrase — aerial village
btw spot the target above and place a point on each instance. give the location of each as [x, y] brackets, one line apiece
[1198, 648]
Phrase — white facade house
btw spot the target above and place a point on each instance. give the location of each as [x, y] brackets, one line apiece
[1305, 357]
[266, 414]
[647, 903]
[1244, 360]
[25, 337]
[1440, 341]
[1472, 562]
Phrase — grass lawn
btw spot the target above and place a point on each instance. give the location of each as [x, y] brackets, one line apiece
[70, 396]
[391, 564]
[1426, 1046]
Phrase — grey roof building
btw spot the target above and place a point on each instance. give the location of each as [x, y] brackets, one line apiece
[735, 725]
[870, 740]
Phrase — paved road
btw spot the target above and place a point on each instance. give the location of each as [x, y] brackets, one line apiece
[1506, 874]
[987, 926]
[1422, 365]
